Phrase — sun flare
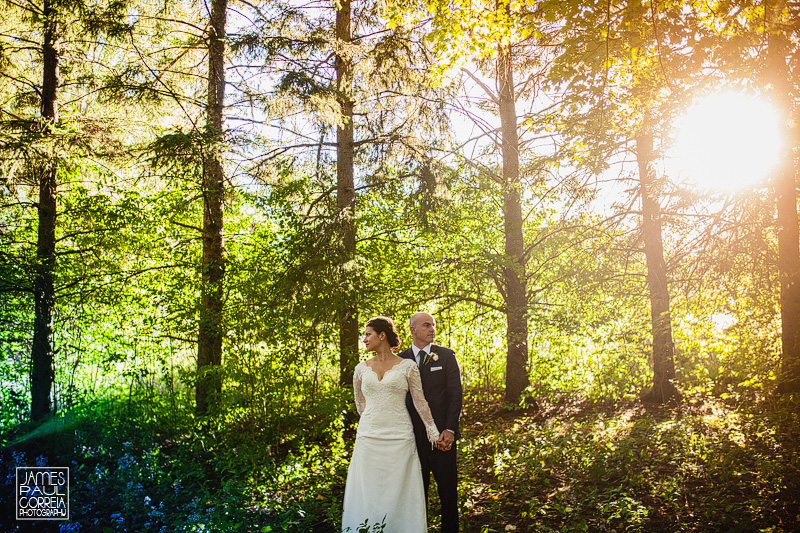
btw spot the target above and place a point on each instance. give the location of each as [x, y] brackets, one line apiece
[727, 141]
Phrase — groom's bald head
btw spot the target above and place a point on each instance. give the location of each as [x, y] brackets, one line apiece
[423, 328]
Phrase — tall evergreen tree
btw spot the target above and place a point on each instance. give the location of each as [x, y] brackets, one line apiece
[210, 330]
[514, 271]
[350, 101]
[346, 193]
[45, 142]
[44, 290]
[782, 28]
[657, 278]
[754, 45]
[504, 51]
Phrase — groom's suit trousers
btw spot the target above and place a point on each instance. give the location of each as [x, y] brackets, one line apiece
[443, 466]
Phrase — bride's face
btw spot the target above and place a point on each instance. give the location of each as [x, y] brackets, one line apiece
[372, 340]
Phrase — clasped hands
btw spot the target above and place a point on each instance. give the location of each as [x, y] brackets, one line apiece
[446, 439]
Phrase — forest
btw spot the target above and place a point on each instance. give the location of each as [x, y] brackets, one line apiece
[203, 201]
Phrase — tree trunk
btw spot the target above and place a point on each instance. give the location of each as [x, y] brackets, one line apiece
[514, 268]
[663, 362]
[42, 375]
[209, 339]
[779, 49]
[346, 199]
[789, 270]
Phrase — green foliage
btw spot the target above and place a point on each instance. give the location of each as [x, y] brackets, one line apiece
[575, 465]
[157, 469]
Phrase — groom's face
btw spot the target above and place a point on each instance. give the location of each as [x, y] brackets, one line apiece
[424, 330]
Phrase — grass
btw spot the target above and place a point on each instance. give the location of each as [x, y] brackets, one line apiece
[573, 465]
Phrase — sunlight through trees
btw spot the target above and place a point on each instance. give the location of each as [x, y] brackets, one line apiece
[201, 202]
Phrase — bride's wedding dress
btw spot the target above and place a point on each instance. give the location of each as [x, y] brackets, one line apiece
[384, 481]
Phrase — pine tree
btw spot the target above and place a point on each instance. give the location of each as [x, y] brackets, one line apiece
[45, 142]
[210, 329]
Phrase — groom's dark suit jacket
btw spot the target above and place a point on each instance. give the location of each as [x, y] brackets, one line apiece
[441, 383]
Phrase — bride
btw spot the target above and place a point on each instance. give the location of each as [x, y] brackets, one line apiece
[384, 489]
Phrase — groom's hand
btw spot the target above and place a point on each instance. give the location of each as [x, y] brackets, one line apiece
[446, 439]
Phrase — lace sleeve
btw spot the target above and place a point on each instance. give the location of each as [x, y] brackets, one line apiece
[420, 404]
[361, 402]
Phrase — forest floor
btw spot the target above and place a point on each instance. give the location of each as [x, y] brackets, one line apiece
[575, 465]
[706, 464]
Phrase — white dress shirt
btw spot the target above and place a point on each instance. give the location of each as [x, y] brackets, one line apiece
[417, 350]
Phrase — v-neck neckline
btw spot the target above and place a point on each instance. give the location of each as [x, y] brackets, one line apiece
[380, 378]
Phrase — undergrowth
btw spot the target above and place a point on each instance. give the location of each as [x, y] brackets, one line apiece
[132, 472]
[704, 465]
[571, 465]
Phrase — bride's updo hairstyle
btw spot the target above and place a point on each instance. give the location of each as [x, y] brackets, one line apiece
[384, 324]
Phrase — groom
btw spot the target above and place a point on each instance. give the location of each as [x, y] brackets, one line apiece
[441, 383]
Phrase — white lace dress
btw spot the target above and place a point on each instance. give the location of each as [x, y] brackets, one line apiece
[384, 480]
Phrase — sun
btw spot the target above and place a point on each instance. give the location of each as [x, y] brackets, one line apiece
[727, 141]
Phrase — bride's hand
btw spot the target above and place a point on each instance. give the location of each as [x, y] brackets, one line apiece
[446, 439]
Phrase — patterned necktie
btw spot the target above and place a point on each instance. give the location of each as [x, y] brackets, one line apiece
[422, 355]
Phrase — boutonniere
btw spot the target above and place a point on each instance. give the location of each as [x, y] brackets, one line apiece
[433, 356]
